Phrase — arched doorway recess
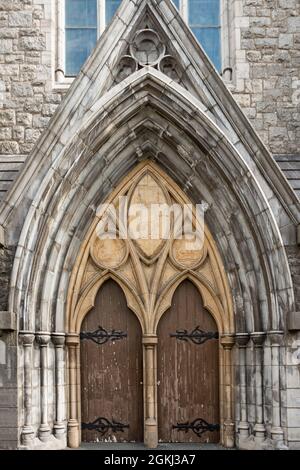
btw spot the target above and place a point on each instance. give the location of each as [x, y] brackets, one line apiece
[149, 272]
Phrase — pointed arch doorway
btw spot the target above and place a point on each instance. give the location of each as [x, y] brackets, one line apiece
[151, 274]
[111, 370]
[188, 370]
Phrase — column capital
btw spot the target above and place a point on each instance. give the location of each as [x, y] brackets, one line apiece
[42, 338]
[258, 338]
[276, 337]
[242, 339]
[26, 337]
[227, 340]
[58, 339]
[72, 339]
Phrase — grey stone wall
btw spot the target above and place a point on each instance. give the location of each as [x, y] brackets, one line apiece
[8, 391]
[6, 261]
[267, 69]
[293, 253]
[8, 362]
[265, 37]
[27, 98]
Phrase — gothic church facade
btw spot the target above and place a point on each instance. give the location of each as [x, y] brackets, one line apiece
[147, 340]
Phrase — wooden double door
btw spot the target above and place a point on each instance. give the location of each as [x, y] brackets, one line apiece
[112, 370]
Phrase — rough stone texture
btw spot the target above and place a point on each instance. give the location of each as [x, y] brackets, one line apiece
[293, 253]
[6, 260]
[266, 69]
[8, 391]
[290, 165]
[26, 73]
[266, 84]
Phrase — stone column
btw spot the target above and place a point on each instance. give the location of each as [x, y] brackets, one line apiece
[58, 340]
[150, 390]
[276, 430]
[27, 338]
[43, 339]
[242, 340]
[72, 341]
[258, 339]
[227, 342]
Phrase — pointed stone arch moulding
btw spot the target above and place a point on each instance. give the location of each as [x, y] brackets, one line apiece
[149, 271]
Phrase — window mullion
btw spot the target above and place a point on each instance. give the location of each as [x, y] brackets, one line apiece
[184, 9]
[101, 15]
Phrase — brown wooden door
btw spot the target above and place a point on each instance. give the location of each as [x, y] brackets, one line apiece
[111, 373]
[188, 373]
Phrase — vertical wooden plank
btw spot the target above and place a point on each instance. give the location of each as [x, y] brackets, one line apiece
[188, 374]
[111, 374]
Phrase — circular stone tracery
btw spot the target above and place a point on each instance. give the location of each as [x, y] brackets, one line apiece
[147, 47]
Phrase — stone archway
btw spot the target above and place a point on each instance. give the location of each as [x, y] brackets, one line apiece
[149, 271]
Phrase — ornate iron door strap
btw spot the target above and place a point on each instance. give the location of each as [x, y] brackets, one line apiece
[103, 425]
[197, 336]
[199, 426]
[102, 336]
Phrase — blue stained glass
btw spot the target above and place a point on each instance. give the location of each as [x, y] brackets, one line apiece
[204, 13]
[79, 45]
[110, 9]
[81, 33]
[81, 13]
[209, 39]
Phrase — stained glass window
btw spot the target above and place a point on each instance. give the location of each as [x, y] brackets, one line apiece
[205, 22]
[80, 34]
[82, 26]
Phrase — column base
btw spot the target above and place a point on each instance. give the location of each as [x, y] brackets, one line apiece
[277, 433]
[228, 439]
[151, 437]
[27, 435]
[73, 434]
[59, 430]
[259, 431]
[51, 444]
[243, 428]
[44, 432]
[251, 443]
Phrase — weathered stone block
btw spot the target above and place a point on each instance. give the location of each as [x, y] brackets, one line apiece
[7, 33]
[8, 417]
[9, 147]
[8, 321]
[24, 118]
[40, 122]
[22, 89]
[31, 135]
[285, 41]
[20, 18]
[7, 117]
[5, 133]
[5, 45]
[294, 24]
[286, 4]
[31, 43]
[18, 133]
[49, 109]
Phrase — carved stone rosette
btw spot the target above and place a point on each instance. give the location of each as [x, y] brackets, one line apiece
[147, 49]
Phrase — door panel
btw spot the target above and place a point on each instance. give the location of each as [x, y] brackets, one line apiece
[188, 373]
[111, 372]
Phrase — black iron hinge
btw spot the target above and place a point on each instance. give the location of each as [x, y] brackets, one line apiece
[197, 336]
[101, 336]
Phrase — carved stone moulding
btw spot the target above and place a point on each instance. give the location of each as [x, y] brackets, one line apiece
[147, 48]
[126, 67]
[168, 65]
